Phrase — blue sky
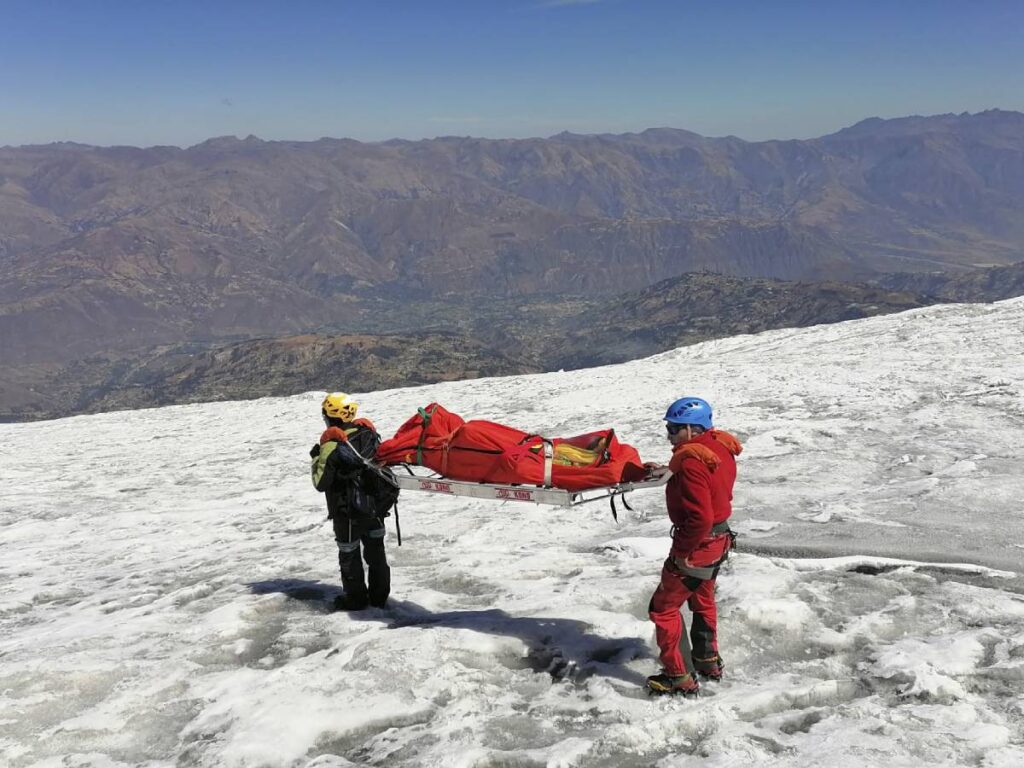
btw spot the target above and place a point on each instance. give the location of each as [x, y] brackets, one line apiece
[143, 72]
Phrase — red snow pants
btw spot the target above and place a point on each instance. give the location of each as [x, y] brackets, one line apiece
[668, 598]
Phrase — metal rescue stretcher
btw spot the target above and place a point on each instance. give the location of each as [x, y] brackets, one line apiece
[538, 494]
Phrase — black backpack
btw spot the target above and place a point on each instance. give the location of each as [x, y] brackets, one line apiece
[372, 493]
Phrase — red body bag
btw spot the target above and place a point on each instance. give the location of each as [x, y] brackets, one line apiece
[493, 453]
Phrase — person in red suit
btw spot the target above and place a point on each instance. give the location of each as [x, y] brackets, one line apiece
[699, 501]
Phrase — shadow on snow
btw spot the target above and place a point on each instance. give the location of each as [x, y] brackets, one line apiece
[566, 649]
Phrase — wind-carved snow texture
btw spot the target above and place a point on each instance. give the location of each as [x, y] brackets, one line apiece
[166, 575]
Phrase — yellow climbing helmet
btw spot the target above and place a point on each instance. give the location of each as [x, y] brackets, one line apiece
[338, 405]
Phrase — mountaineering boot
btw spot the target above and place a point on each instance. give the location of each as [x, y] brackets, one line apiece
[673, 684]
[711, 668]
[347, 602]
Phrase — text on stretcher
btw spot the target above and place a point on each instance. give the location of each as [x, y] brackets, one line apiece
[511, 493]
[433, 485]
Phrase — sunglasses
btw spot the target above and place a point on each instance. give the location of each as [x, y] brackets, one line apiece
[675, 429]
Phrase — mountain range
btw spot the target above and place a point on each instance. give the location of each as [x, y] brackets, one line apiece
[120, 252]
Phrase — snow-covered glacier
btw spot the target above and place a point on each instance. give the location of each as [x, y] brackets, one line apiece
[166, 575]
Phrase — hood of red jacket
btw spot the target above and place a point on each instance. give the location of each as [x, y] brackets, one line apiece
[703, 448]
[335, 434]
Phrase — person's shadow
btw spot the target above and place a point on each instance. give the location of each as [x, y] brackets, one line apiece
[299, 589]
[566, 649]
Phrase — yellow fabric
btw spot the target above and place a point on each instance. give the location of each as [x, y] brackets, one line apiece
[566, 455]
[569, 455]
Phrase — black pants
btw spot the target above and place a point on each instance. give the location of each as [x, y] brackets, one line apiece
[370, 533]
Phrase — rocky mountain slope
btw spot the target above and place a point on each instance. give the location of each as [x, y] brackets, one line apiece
[193, 372]
[977, 285]
[106, 249]
[440, 341]
[692, 308]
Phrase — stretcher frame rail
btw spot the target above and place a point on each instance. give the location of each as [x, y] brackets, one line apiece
[537, 494]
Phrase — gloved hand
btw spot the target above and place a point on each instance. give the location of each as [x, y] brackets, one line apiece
[314, 451]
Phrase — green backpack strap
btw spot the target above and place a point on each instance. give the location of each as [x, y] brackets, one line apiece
[426, 417]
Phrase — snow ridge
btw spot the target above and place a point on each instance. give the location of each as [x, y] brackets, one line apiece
[166, 575]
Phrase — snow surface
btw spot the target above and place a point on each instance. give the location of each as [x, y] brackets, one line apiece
[166, 575]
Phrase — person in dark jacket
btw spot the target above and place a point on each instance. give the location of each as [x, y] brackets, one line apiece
[699, 501]
[339, 461]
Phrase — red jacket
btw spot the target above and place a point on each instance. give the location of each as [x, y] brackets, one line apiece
[699, 494]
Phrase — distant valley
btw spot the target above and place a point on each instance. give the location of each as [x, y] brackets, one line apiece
[462, 338]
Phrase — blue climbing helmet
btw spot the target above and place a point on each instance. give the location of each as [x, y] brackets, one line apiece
[690, 410]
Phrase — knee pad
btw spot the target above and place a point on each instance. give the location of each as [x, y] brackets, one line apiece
[348, 546]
